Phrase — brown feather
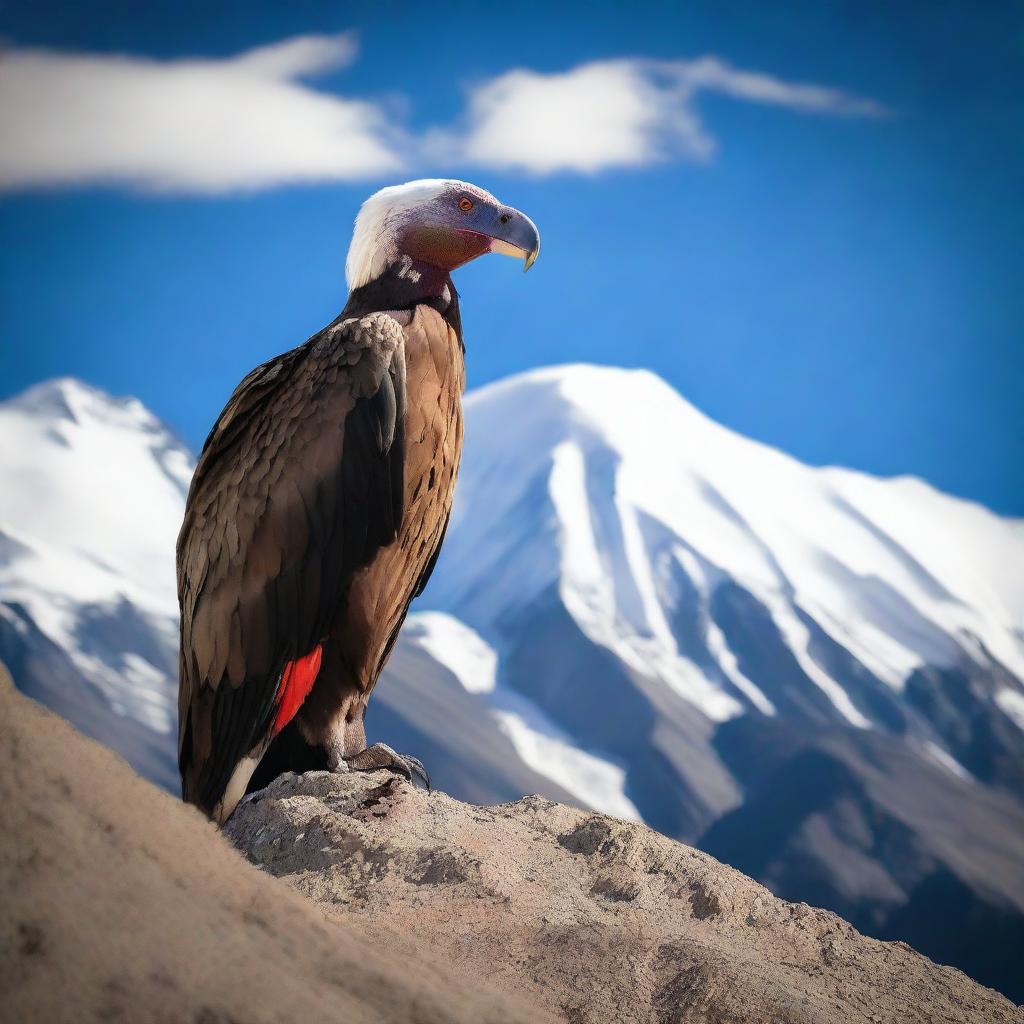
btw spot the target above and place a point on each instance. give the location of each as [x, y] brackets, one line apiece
[263, 565]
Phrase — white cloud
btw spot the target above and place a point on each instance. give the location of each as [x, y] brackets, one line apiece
[620, 113]
[713, 74]
[251, 121]
[209, 125]
[607, 114]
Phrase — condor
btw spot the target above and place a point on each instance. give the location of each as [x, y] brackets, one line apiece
[320, 503]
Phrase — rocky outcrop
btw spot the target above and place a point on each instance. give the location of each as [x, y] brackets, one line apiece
[591, 918]
[121, 904]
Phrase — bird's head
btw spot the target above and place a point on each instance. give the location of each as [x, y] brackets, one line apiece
[439, 223]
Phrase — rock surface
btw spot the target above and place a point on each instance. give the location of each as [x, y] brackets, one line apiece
[591, 918]
[122, 904]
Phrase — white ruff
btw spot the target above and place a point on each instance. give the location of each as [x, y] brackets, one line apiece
[375, 236]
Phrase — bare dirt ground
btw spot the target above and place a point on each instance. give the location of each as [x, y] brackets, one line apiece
[118, 903]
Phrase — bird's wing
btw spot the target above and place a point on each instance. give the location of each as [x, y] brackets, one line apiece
[300, 483]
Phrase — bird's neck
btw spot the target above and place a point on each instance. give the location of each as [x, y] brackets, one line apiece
[405, 284]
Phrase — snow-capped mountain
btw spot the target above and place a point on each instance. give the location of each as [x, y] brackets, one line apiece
[92, 497]
[721, 577]
[90, 502]
[814, 673]
[640, 505]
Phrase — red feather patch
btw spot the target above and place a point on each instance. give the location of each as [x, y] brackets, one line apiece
[297, 680]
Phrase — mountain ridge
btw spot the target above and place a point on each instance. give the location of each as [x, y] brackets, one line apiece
[625, 559]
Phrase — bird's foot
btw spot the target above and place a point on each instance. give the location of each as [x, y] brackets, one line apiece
[380, 755]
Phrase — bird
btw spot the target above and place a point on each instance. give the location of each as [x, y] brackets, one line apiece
[320, 502]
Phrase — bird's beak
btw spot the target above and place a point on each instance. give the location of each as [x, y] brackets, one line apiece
[516, 236]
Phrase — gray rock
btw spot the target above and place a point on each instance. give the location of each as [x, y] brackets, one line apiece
[591, 918]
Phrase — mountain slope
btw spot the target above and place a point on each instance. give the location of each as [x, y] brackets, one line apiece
[439, 696]
[639, 504]
[856, 821]
[615, 531]
[594, 919]
[91, 501]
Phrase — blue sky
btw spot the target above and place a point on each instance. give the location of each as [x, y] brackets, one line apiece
[817, 238]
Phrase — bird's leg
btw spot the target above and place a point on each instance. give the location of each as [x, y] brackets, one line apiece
[347, 752]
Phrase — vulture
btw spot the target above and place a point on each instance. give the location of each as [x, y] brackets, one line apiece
[320, 502]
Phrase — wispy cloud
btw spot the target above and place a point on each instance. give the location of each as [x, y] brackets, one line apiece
[187, 125]
[621, 113]
[252, 120]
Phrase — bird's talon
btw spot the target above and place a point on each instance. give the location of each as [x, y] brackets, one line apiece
[380, 755]
[418, 769]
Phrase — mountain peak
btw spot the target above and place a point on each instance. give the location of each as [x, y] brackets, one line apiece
[72, 400]
[589, 386]
[56, 397]
[94, 487]
[631, 412]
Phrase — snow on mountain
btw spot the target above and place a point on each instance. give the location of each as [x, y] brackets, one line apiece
[92, 498]
[679, 548]
[539, 742]
[607, 485]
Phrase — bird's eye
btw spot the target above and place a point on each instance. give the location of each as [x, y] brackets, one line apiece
[465, 204]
